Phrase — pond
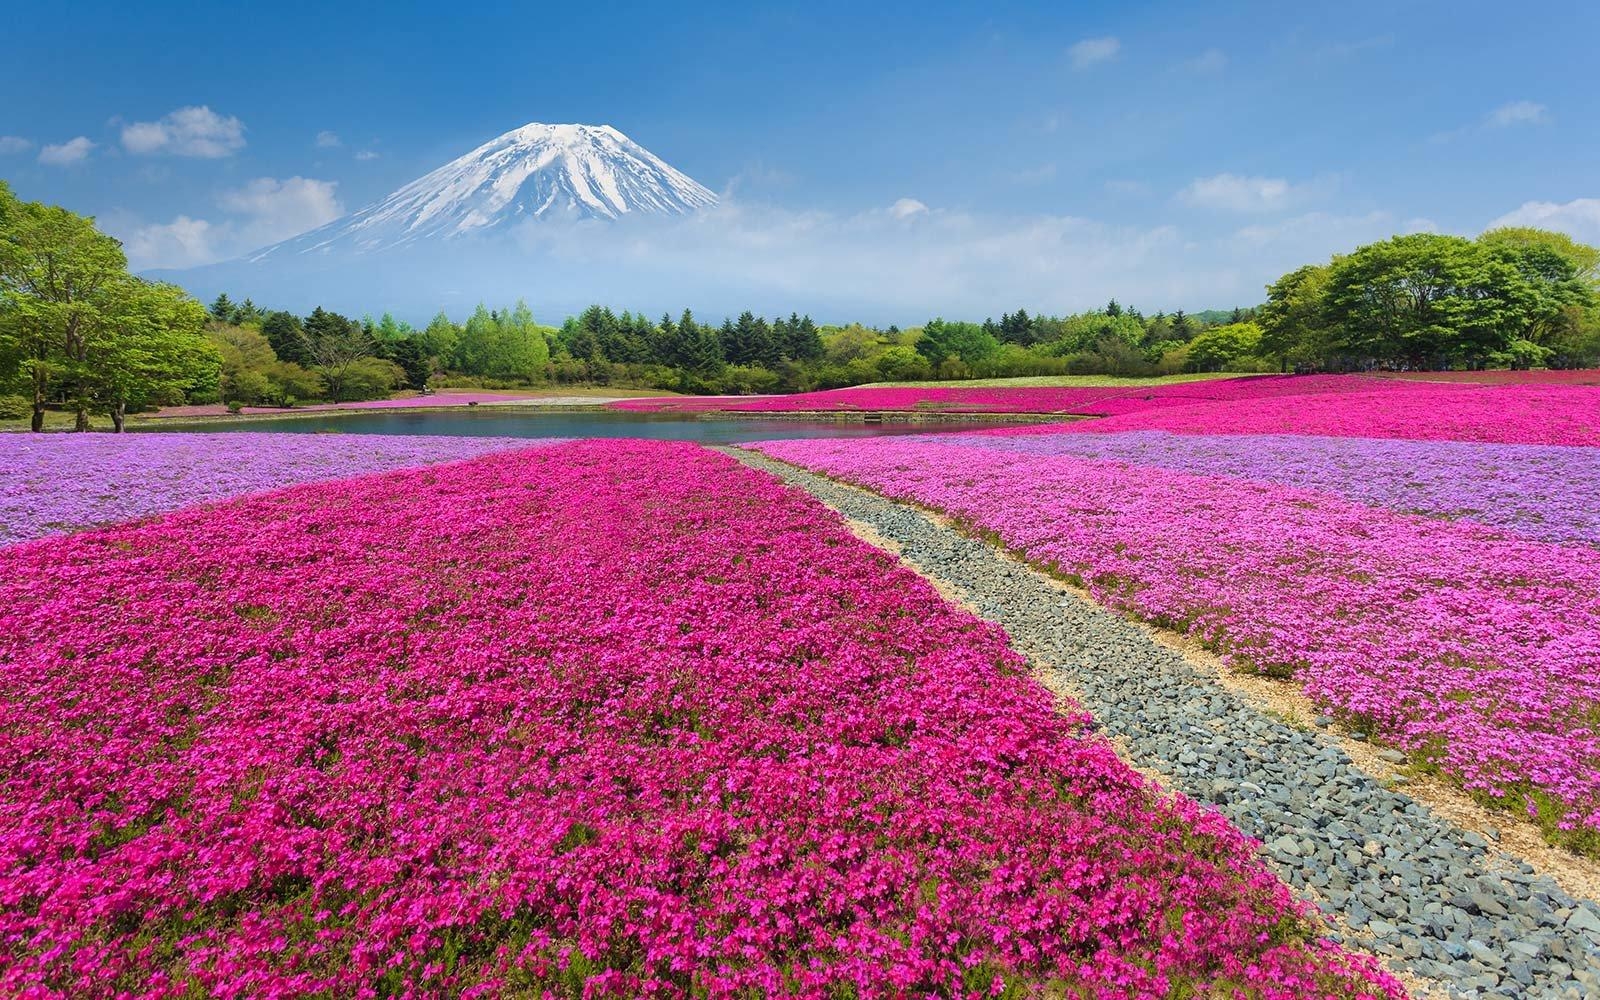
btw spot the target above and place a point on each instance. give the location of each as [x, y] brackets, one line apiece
[531, 422]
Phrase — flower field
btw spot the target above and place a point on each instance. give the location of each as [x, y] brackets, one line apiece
[54, 483]
[1474, 647]
[600, 719]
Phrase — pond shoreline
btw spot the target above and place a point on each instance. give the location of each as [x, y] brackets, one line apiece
[813, 416]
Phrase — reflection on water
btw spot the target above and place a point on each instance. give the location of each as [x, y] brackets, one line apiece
[535, 423]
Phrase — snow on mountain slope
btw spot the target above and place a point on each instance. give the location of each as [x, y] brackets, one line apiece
[534, 172]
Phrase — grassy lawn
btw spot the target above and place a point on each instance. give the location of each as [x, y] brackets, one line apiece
[57, 421]
[1055, 381]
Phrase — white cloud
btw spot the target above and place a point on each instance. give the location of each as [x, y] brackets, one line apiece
[905, 208]
[1238, 194]
[1209, 61]
[12, 144]
[327, 140]
[183, 242]
[1093, 51]
[264, 211]
[66, 153]
[366, 154]
[276, 210]
[193, 131]
[1518, 113]
[1578, 218]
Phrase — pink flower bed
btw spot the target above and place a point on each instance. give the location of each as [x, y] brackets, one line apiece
[604, 719]
[1509, 414]
[1476, 650]
[1574, 376]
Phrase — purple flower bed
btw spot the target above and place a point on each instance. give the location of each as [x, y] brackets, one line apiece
[1539, 491]
[55, 483]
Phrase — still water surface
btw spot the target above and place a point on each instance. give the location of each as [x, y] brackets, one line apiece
[533, 423]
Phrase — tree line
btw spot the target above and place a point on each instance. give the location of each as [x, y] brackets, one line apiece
[79, 332]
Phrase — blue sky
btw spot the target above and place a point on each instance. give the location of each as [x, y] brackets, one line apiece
[1242, 133]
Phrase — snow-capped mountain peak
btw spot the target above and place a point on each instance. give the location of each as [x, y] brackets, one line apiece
[537, 171]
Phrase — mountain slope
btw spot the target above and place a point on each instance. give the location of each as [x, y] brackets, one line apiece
[535, 172]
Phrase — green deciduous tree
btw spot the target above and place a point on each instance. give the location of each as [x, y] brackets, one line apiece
[1426, 299]
[943, 340]
[73, 321]
[157, 354]
[1294, 320]
[1221, 347]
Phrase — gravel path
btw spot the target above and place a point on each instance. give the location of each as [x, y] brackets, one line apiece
[1431, 898]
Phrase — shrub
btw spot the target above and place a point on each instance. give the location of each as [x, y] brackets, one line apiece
[15, 407]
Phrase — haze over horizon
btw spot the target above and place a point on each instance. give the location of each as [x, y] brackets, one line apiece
[885, 166]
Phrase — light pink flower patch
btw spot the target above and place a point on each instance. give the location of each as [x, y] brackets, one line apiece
[612, 718]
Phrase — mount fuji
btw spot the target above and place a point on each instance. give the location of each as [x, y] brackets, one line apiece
[545, 212]
[538, 171]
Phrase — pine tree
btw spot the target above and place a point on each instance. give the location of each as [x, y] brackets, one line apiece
[807, 340]
[222, 308]
[286, 337]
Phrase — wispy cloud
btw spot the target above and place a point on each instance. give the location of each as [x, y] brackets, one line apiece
[1518, 113]
[65, 154]
[906, 208]
[367, 154]
[1236, 193]
[1346, 50]
[1328, 228]
[1207, 62]
[328, 140]
[1578, 218]
[893, 266]
[758, 176]
[1508, 115]
[1093, 52]
[193, 131]
[11, 145]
